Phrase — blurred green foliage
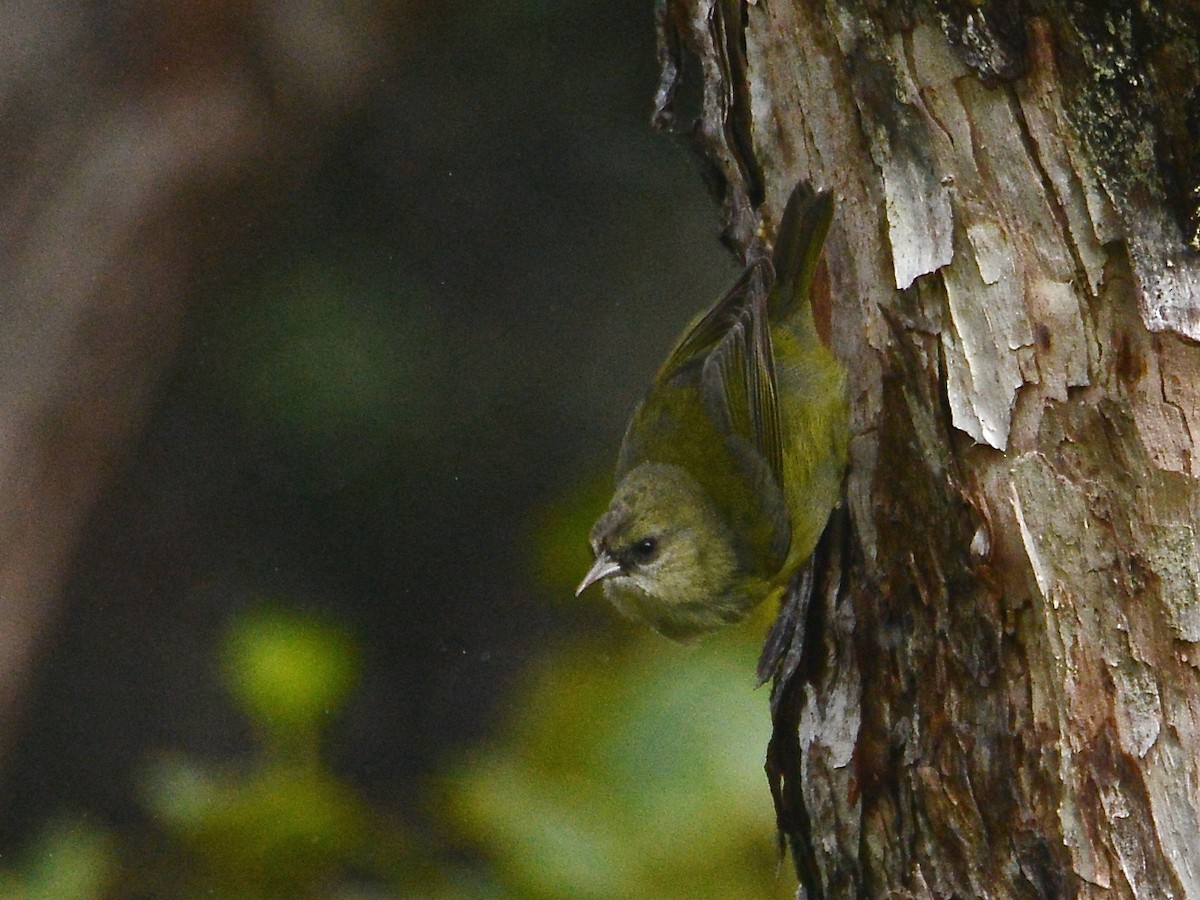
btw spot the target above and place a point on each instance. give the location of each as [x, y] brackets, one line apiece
[279, 825]
[288, 673]
[629, 768]
[283, 825]
[69, 861]
[279, 830]
[633, 771]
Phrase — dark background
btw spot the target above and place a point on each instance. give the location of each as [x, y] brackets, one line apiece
[396, 369]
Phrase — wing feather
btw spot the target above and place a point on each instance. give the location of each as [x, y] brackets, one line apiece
[710, 329]
[739, 386]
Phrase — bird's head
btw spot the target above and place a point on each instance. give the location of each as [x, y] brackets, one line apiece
[665, 555]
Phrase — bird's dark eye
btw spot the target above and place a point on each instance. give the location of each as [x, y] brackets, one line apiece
[645, 549]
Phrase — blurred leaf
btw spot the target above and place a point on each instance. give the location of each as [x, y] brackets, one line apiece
[631, 774]
[179, 791]
[288, 671]
[276, 832]
[70, 861]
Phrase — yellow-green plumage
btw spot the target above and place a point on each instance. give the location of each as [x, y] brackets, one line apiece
[733, 461]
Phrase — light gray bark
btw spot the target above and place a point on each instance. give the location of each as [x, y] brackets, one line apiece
[1008, 703]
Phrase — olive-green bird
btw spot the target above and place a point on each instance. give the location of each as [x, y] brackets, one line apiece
[732, 462]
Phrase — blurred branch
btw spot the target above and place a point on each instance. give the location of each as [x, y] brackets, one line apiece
[125, 129]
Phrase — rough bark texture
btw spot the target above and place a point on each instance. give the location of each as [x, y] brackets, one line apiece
[1007, 701]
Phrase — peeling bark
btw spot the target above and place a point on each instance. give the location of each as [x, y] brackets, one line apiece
[1006, 701]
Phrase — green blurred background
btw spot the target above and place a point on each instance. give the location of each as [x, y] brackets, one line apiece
[320, 639]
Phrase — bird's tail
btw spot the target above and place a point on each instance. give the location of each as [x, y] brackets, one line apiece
[802, 231]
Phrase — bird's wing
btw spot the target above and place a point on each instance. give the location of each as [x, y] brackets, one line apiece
[651, 429]
[709, 329]
[739, 388]
[732, 343]
[723, 364]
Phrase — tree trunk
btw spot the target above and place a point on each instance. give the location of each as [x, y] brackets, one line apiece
[1004, 701]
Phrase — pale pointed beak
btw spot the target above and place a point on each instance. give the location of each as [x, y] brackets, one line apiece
[604, 566]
